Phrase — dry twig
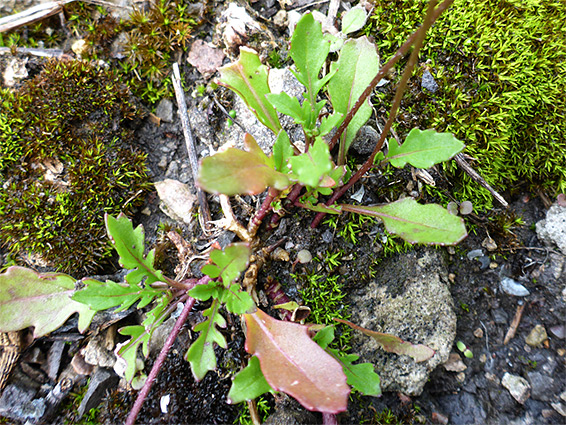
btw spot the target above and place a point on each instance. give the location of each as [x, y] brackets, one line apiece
[514, 324]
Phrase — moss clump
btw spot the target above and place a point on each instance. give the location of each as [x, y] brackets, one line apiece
[500, 67]
[65, 160]
[151, 39]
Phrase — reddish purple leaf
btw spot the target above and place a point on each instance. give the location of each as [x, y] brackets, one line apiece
[393, 344]
[295, 364]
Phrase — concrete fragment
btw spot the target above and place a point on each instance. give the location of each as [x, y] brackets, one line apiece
[552, 230]
[409, 298]
[177, 199]
[517, 386]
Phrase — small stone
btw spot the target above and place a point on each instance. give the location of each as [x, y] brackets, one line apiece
[483, 358]
[478, 333]
[563, 396]
[177, 199]
[80, 47]
[489, 244]
[15, 71]
[461, 377]
[452, 277]
[96, 354]
[561, 352]
[552, 230]
[475, 253]
[163, 161]
[164, 110]
[454, 363]
[439, 418]
[100, 381]
[205, 58]
[537, 336]
[493, 265]
[80, 366]
[304, 256]
[558, 331]
[542, 386]
[172, 170]
[512, 287]
[547, 413]
[280, 19]
[559, 407]
[517, 386]
[428, 82]
[146, 211]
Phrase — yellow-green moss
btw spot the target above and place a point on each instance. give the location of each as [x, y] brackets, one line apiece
[65, 160]
[501, 71]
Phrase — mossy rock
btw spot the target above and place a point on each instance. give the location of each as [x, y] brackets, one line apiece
[500, 67]
[66, 158]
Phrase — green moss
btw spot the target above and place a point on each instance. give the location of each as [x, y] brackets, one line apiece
[65, 160]
[500, 68]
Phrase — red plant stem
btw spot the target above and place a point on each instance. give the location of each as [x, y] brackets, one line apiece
[329, 419]
[292, 197]
[431, 15]
[258, 217]
[142, 395]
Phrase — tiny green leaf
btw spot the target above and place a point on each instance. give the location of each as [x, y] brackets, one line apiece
[234, 172]
[288, 105]
[237, 301]
[249, 383]
[361, 376]
[129, 244]
[309, 167]
[228, 263]
[248, 78]
[354, 19]
[416, 223]
[201, 353]
[324, 336]
[394, 344]
[423, 149]
[41, 300]
[129, 350]
[282, 151]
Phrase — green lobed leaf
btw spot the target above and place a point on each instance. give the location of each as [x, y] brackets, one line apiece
[394, 344]
[237, 301]
[309, 167]
[416, 223]
[354, 19]
[201, 352]
[248, 78]
[288, 105]
[423, 149]
[234, 172]
[102, 296]
[129, 244]
[361, 376]
[249, 383]
[357, 65]
[41, 300]
[293, 363]
[282, 151]
[229, 263]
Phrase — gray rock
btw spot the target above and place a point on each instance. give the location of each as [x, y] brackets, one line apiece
[172, 169]
[517, 386]
[552, 230]
[164, 110]
[542, 386]
[96, 353]
[101, 381]
[409, 298]
[177, 199]
[365, 140]
[512, 287]
[17, 403]
[54, 359]
[463, 408]
[428, 82]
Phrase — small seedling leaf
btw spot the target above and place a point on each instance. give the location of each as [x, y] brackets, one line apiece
[354, 19]
[201, 353]
[235, 172]
[249, 383]
[248, 78]
[309, 167]
[416, 223]
[282, 151]
[288, 105]
[357, 65]
[229, 263]
[129, 350]
[129, 244]
[293, 363]
[41, 300]
[393, 344]
[423, 149]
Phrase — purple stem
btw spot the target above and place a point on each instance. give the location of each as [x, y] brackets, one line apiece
[265, 208]
[163, 355]
[329, 419]
[291, 198]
